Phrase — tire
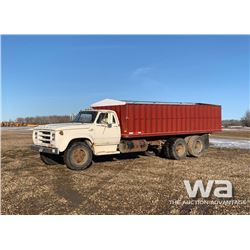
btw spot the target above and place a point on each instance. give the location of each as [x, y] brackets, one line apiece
[196, 146]
[51, 159]
[186, 140]
[175, 148]
[205, 139]
[78, 156]
[165, 149]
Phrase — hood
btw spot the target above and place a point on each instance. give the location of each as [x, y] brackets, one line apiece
[63, 126]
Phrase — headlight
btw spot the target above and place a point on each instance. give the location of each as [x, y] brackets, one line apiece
[53, 136]
[35, 135]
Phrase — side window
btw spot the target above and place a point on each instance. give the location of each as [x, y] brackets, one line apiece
[103, 118]
[113, 119]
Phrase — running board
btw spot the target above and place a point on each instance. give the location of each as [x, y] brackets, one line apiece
[108, 153]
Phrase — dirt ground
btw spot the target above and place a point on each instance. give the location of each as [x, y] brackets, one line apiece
[128, 184]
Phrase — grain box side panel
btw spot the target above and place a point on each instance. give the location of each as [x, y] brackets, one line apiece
[140, 120]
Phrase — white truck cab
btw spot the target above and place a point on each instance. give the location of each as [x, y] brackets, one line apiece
[91, 132]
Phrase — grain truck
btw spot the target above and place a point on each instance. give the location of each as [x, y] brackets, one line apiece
[108, 127]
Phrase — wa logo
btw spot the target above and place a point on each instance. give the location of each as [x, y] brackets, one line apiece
[221, 188]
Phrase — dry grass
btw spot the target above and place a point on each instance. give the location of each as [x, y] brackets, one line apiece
[133, 184]
[236, 134]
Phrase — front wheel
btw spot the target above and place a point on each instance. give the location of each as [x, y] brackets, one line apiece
[78, 156]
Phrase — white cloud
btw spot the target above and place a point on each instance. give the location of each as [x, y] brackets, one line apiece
[143, 76]
[142, 71]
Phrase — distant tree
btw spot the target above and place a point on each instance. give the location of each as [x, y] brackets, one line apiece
[232, 122]
[44, 119]
[20, 120]
[245, 120]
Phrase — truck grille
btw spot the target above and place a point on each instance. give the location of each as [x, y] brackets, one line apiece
[44, 137]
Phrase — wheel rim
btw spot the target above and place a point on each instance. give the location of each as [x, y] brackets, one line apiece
[79, 156]
[180, 149]
[198, 146]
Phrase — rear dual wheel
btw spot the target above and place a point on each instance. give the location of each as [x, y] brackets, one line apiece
[175, 148]
[196, 145]
[178, 148]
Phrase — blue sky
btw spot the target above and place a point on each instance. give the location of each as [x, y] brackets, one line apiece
[46, 75]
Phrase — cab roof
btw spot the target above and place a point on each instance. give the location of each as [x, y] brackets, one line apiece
[99, 110]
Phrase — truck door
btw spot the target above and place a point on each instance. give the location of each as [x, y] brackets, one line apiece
[116, 131]
[107, 129]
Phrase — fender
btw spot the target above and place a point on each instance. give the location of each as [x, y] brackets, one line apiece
[69, 136]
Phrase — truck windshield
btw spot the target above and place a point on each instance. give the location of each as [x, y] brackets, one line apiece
[85, 117]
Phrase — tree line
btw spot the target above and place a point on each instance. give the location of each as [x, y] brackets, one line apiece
[244, 121]
[44, 119]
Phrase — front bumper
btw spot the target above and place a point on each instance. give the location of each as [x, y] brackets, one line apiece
[42, 149]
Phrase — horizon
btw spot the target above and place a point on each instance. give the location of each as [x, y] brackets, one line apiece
[59, 75]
